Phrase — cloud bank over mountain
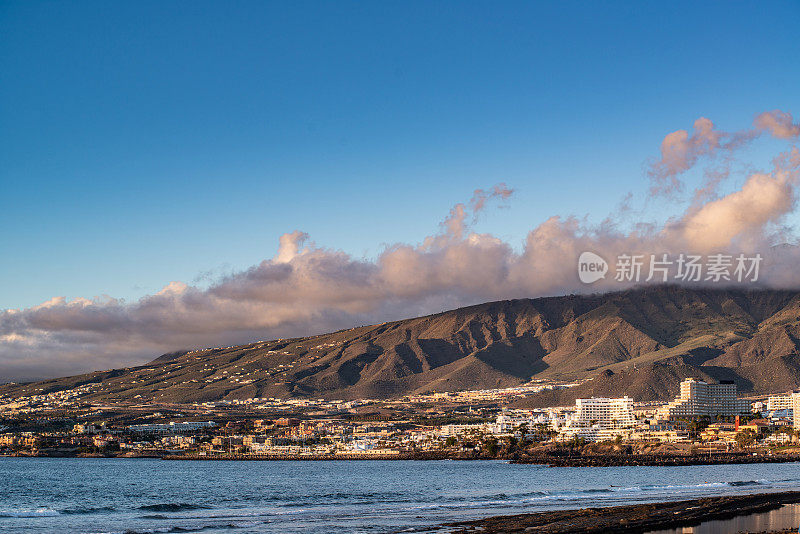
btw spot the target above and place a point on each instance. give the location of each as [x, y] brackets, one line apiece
[306, 288]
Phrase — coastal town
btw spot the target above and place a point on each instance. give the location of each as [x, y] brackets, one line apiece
[705, 418]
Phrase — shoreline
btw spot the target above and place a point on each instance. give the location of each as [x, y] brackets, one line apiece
[621, 460]
[554, 460]
[631, 519]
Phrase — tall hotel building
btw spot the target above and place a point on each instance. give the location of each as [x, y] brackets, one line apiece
[699, 399]
[599, 418]
[607, 413]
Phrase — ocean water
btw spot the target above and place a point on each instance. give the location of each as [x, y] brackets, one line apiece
[145, 495]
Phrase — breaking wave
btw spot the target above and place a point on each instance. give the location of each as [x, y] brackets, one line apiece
[173, 507]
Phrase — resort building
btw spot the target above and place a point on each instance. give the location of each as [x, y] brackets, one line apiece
[796, 410]
[509, 422]
[606, 413]
[599, 419]
[699, 399]
[89, 428]
[172, 427]
[779, 402]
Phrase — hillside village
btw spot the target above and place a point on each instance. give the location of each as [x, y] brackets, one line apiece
[705, 418]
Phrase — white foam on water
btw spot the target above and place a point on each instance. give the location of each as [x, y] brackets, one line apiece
[39, 512]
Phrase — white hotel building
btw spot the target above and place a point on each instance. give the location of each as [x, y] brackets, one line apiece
[607, 413]
[600, 418]
[796, 410]
[699, 399]
[780, 402]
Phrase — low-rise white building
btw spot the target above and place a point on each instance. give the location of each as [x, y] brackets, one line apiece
[89, 428]
[461, 430]
[172, 427]
[779, 402]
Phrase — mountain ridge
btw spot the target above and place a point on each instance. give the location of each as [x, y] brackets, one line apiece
[637, 341]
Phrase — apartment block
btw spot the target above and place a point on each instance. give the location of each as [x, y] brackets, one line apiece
[599, 419]
[779, 402]
[604, 412]
[699, 399]
[796, 409]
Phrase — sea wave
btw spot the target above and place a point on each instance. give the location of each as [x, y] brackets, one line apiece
[81, 510]
[518, 499]
[40, 512]
[173, 507]
[178, 529]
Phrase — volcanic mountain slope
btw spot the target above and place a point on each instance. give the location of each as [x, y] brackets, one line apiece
[640, 342]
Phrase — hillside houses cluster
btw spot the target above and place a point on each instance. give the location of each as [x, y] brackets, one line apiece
[330, 427]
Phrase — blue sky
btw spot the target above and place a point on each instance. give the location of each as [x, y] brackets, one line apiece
[147, 142]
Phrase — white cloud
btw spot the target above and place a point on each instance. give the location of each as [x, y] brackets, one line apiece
[307, 289]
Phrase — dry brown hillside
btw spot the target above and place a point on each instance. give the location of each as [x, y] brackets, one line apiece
[639, 342]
